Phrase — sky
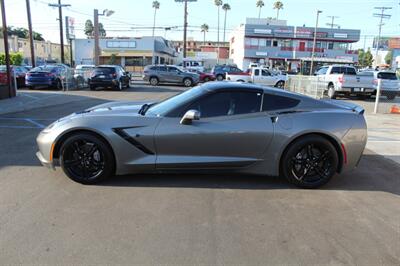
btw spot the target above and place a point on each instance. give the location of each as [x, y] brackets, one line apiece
[130, 15]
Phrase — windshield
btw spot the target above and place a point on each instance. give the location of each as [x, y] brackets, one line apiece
[44, 68]
[164, 107]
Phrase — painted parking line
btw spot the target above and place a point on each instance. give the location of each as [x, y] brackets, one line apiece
[23, 123]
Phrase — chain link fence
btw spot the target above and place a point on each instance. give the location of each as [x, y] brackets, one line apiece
[383, 96]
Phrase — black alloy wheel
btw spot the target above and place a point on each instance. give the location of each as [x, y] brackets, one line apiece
[86, 159]
[310, 162]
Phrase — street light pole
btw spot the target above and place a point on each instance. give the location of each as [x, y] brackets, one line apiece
[96, 14]
[314, 43]
[185, 30]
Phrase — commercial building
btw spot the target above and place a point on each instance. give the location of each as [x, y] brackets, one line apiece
[45, 51]
[272, 42]
[132, 53]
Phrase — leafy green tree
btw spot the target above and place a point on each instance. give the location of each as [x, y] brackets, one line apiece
[89, 29]
[156, 6]
[113, 59]
[259, 5]
[368, 58]
[389, 57]
[16, 59]
[278, 5]
[21, 33]
[102, 31]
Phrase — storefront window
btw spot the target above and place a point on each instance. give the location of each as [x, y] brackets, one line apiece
[262, 42]
[254, 42]
[268, 43]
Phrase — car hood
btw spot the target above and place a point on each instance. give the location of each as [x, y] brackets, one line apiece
[114, 108]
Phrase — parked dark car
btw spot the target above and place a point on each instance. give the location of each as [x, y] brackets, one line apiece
[109, 76]
[169, 74]
[220, 71]
[204, 77]
[18, 71]
[47, 75]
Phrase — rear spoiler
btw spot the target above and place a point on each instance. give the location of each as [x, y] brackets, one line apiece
[346, 105]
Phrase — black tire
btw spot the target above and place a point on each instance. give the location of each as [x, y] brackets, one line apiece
[280, 84]
[119, 86]
[30, 87]
[80, 82]
[219, 77]
[309, 162]
[391, 96]
[128, 85]
[154, 81]
[331, 92]
[86, 159]
[92, 87]
[58, 85]
[187, 82]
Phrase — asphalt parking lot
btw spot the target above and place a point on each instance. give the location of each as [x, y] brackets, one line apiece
[45, 218]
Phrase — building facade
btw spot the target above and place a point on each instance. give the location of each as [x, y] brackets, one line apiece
[274, 43]
[45, 51]
[132, 53]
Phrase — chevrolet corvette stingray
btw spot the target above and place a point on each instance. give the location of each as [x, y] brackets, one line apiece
[218, 127]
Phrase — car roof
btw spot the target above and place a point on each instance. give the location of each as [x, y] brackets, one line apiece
[108, 66]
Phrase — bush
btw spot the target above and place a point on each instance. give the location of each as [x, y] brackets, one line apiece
[16, 59]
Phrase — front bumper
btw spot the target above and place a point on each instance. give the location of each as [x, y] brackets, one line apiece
[44, 162]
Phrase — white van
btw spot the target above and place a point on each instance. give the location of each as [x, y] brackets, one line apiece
[193, 65]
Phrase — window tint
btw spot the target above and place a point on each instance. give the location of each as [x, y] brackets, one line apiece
[275, 102]
[173, 69]
[266, 73]
[387, 75]
[350, 71]
[256, 72]
[162, 68]
[336, 70]
[104, 70]
[227, 103]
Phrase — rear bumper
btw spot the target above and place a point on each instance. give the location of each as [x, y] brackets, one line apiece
[40, 82]
[103, 83]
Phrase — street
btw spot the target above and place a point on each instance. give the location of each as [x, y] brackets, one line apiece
[45, 218]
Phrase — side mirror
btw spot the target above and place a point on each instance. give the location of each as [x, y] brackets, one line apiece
[189, 116]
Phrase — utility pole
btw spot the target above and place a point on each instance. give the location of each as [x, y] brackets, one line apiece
[332, 24]
[314, 43]
[60, 6]
[96, 37]
[382, 16]
[185, 24]
[31, 44]
[6, 49]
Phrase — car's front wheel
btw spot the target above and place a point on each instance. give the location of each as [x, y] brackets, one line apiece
[187, 82]
[280, 84]
[153, 81]
[86, 159]
[220, 77]
[310, 162]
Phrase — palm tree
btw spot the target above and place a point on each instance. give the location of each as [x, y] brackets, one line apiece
[226, 7]
[278, 5]
[259, 4]
[204, 29]
[218, 3]
[156, 5]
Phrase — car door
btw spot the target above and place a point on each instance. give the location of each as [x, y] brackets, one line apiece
[232, 132]
[175, 75]
[162, 74]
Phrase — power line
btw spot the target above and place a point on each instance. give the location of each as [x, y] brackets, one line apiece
[332, 24]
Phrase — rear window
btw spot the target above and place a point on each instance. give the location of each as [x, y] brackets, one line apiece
[275, 102]
[387, 75]
[344, 70]
[44, 68]
[350, 71]
[104, 70]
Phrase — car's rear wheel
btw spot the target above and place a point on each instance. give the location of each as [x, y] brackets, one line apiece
[92, 87]
[391, 96]
[310, 162]
[331, 92]
[153, 81]
[119, 86]
[86, 159]
[280, 84]
[187, 82]
[220, 77]
[59, 85]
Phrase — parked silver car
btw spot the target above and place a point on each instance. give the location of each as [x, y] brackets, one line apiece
[217, 127]
[156, 74]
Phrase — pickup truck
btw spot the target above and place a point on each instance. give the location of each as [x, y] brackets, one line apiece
[390, 86]
[261, 76]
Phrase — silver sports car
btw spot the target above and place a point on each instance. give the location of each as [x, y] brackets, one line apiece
[217, 127]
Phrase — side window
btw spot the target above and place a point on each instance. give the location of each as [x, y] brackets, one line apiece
[162, 68]
[350, 71]
[336, 70]
[256, 72]
[322, 71]
[275, 102]
[266, 73]
[227, 103]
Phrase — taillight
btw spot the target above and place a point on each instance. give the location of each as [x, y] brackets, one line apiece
[341, 79]
[114, 75]
[50, 75]
[375, 81]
